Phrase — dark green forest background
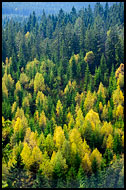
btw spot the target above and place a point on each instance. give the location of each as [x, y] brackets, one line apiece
[63, 99]
[25, 8]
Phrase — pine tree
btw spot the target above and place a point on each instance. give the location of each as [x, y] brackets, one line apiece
[103, 67]
[82, 34]
[110, 46]
[112, 82]
[86, 77]
[117, 145]
[94, 166]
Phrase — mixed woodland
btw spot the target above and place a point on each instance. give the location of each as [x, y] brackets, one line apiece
[63, 99]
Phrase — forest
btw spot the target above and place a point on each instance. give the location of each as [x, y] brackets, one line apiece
[63, 99]
[25, 8]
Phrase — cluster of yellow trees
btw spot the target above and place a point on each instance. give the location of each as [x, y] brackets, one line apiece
[60, 149]
[48, 151]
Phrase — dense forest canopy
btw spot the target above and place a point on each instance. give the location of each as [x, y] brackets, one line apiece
[25, 8]
[63, 99]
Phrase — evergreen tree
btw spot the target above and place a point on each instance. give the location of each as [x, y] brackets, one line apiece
[112, 82]
[17, 176]
[86, 77]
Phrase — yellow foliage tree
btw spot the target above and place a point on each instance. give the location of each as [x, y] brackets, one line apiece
[118, 98]
[18, 87]
[49, 144]
[30, 66]
[74, 148]
[108, 105]
[119, 70]
[97, 155]
[39, 84]
[58, 137]
[46, 65]
[15, 152]
[79, 119]
[70, 86]
[100, 106]
[75, 136]
[31, 156]
[102, 90]
[31, 85]
[4, 90]
[27, 136]
[108, 32]
[86, 148]
[89, 57]
[9, 82]
[20, 113]
[104, 115]
[120, 81]
[109, 142]
[69, 117]
[14, 106]
[76, 141]
[23, 79]
[19, 130]
[86, 164]
[57, 160]
[107, 129]
[36, 156]
[27, 35]
[41, 100]
[26, 154]
[3, 121]
[42, 120]
[31, 138]
[119, 112]
[79, 98]
[89, 101]
[59, 107]
[92, 117]
[36, 116]
[18, 125]
[76, 57]
[46, 166]
[77, 108]
[66, 90]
